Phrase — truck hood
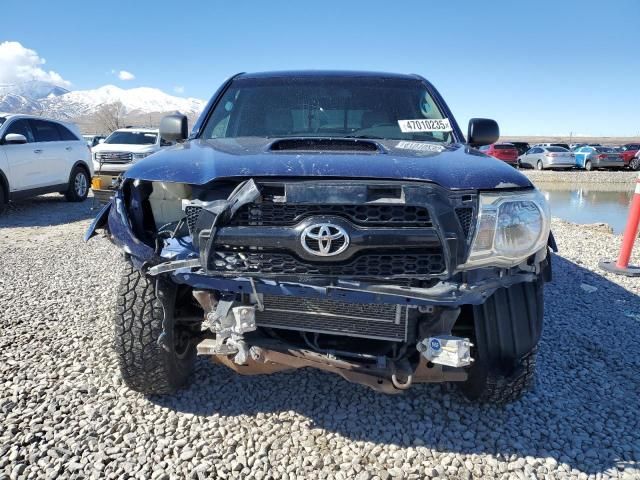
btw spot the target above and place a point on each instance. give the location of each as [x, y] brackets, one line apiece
[456, 167]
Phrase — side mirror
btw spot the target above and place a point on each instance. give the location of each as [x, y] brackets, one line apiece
[482, 131]
[174, 128]
[14, 139]
[101, 140]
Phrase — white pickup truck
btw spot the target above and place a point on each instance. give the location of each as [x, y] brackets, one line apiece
[118, 152]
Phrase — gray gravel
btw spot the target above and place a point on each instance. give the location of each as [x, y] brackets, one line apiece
[64, 412]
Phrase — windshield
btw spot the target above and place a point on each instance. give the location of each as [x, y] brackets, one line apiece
[132, 138]
[328, 107]
[2, 120]
[605, 150]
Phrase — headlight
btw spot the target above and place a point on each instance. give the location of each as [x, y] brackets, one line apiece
[510, 228]
[140, 156]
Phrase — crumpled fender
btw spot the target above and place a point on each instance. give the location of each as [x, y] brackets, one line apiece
[122, 235]
[99, 222]
[113, 219]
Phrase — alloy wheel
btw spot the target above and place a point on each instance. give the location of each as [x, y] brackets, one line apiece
[80, 184]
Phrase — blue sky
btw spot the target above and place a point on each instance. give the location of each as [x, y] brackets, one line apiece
[538, 67]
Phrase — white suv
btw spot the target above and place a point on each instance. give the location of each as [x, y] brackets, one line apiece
[117, 153]
[39, 155]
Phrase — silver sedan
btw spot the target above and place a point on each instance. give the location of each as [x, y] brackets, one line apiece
[547, 158]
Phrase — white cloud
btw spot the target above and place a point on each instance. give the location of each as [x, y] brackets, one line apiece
[178, 89]
[124, 75]
[20, 64]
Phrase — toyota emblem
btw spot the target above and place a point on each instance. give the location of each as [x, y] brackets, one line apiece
[324, 239]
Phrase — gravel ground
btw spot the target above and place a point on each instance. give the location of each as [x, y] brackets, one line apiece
[64, 412]
[604, 177]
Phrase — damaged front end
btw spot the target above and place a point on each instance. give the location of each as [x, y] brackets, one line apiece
[377, 281]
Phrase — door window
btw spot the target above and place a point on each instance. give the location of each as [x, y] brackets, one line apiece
[65, 133]
[45, 131]
[21, 127]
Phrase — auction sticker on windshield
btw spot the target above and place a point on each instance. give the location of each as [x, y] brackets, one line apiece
[425, 125]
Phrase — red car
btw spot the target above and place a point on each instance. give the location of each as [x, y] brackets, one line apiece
[502, 151]
[628, 154]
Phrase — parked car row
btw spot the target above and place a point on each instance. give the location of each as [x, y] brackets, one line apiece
[543, 156]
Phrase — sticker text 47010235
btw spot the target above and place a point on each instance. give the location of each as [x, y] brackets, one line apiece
[425, 125]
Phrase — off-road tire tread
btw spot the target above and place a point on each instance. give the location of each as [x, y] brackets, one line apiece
[145, 366]
[500, 390]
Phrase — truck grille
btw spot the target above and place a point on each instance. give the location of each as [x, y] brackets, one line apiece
[365, 265]
[192, 213]
[384, 322]
[465, 217]
[114, 157]
[275, 214]
[288, 259]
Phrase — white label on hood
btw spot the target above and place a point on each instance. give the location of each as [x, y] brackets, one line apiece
[425, 125]
[419, 146]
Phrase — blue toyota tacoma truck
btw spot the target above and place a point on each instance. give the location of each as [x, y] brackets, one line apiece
[333, 220]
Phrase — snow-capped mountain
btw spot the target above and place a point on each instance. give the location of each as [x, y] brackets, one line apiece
[54, 101]
[12, 103]
[135, 101]
[32, 90]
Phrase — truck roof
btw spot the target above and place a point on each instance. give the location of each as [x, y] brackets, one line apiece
[328, 73]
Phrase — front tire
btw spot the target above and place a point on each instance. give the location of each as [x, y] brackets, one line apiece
[78, 185]
[634, 164]
[150, 364]
[507, 330]
[4, 198]
[488, 387]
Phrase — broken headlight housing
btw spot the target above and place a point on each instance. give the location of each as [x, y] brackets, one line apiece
[510, 227]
